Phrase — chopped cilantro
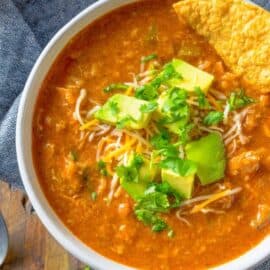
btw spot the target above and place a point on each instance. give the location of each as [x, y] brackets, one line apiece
[149, 58]
[239, 99]
[213, 118]
[150, 107]
[182, 167]
[115, 86]
[158, 198]
[114, 107]
[137, 161]
[151, 219]
[150, 91]
[123, 122]
[128, 173]
[102, 168]
[184, 132]
[73, 155]
[94, 196]
[202, 100]
[160, 140]
[175, 107]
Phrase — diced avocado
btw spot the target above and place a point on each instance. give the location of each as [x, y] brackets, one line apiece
[182, 184]
[192, 77]
[209, 155]
[147, 173]
[120, 108]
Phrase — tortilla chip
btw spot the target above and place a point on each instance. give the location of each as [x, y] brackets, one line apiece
[239, 32]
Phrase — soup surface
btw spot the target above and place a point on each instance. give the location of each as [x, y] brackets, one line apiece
[85, 192]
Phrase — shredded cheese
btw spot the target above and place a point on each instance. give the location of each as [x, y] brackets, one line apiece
[89, 124]
[214, 197]
[77, 114]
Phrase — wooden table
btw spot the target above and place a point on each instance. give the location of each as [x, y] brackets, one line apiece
[31, 247]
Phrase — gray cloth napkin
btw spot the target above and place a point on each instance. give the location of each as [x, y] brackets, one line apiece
[25, 28]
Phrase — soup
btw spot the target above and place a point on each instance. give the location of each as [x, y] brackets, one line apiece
[148, 148]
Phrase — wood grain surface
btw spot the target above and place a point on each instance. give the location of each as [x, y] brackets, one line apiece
[31, 247]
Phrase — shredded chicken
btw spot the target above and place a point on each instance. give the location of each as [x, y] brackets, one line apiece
[262, 218]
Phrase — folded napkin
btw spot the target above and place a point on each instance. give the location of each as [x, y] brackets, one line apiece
[25, 29]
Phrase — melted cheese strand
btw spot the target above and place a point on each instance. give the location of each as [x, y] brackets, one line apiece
[215, 197]
[77, 114]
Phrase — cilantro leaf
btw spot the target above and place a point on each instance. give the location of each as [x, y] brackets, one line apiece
[149, 58]
[115, 86]
[102, 168]
[175, 108]
[151, 219]
[114, 107]
[137, 161]
[184, 132]
[160, 140]
[123, 122]
[128, 173]
[213, 118]
[150, 91]
[239, 99]
[154, 201]
[182, 167]
[203, 102]
[150, 107]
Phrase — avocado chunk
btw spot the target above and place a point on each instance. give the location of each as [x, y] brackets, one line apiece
[191, 77]
[182, 184]
[146, 174]
[124, 110]
[209, 155]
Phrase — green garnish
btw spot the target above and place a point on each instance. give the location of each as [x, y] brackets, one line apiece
[149, 218]
[87, 268]
[150, 91]
[102, 168]
[239, 99]
[160, 140]
[149, 58]
[203, 102]
[124, 122]
[94, 196]
[114, 108]
[213, 118]
[115, 86]
[130, 173]
[158, 198]
[73, 155]
[175, 107]
[150, 107]
[182, 167]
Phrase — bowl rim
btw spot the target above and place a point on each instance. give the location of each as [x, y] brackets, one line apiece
[46, 214]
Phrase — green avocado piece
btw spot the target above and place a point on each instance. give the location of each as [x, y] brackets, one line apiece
[182, 184]
[147, 173]
[209, 155]
[121, 108]
[192, 77]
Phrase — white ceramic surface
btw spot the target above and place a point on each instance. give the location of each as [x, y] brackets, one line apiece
[24, 153]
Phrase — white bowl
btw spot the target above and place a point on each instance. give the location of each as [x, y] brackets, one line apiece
[25, 160]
